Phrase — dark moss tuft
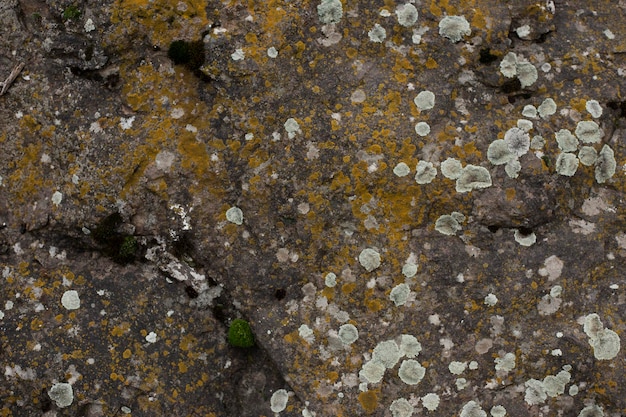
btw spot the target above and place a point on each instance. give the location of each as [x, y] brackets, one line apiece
[240, 334]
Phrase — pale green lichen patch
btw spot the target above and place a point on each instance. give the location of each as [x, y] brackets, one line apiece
[70, 300]
[330, 11]
[369, 259]
[605, 164]
[430, 401]
[400, 294]
[472, 409]
[517, 140]
[447, 225]
[62, 394]
[605, 342]
[491, 300]
[473, 177]
[279, 399]
[330, 280]
[566, 164]
[409, 346]
[456, 367]
[422, 128]
[511, 66]
[425, 100]
[587, 155]
[348, 333]
[454, 28]
[499, 153]
[498, 411]
[372, 372]
[386, 353]
[513, 168]
[566, 141]
[411, 372]
[425, 172]
[401, 169]
[401, 408]
[529, 111]
[546, 108]
[505, 363]
[451, 168]
[377, 34]
[588, 132]
[594, 108]
[234, 215]
[407, 15]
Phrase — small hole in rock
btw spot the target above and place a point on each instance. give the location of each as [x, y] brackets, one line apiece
[280, 293]
[191, 292]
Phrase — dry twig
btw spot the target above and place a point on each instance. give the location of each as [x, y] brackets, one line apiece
[7, 83]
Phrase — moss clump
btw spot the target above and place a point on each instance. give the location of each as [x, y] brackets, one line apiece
[128, 249]
[190, 54]
[240, 334]
[71, 12]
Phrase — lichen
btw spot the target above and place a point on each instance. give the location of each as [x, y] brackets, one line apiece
[451, 168]
[377, 34]
[498, 152]
[566, 141]
[411, 372]
[401, 408]
[407, 15]
[588, 132]
[425, 100]
[566, 164]
[605, 165]
[425, 172]
[454, 28]
[330, 11]
[473, 177]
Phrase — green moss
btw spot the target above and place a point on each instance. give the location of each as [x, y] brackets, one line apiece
[71, 12]
[128, 249]
[240, 334]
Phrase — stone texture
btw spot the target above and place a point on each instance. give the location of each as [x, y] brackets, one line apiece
[117, 169]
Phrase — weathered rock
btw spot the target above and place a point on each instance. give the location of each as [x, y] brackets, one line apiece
[118, 168]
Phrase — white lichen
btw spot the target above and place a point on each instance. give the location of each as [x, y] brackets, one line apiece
[505, 363]
[472, 409]
[292, 127]
[473, 177]
[62, 394]
[535, 392]
[422, 128]
[372, 372]
[566, 164]
[411, 372]
[409, 346]
[369, 259]
[566, 141]
[425, 172]
[400, 294]
[330, 280]
[498, 411]
[447, 225]
[430, 401]
[591, 411]
[587, 155]
[529, 111]
[407, 15]
[348, 333]
[513, 168]
[517, 140]
[525, 239]
[451, 168]
[425, 100]
[401, 408]
[330, 11]
[594, 108]
[401, 170]
[387, 353]
[456, 367]
[491, 299]
[546, 108]
[588, 131]
[605, 164]
[234, 215]
[537, 142]
[605, 342]
[70, 300]
[279, 399]
[498, 152]
[377, 34]
[454, 28]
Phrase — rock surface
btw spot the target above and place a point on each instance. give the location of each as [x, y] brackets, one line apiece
[123, 256]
